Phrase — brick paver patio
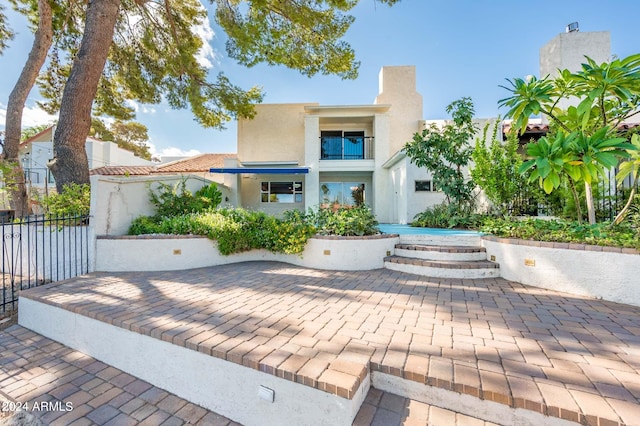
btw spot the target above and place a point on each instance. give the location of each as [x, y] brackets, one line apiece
[36, 370]
[562, 355]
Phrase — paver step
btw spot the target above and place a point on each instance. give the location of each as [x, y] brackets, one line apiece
[443, 268]
[440, 252]
[386, 408]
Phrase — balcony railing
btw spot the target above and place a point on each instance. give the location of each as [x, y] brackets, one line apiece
[346, 148]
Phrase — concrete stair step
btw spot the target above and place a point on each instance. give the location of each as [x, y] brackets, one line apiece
[386, 408]
[462, 239]
[440, 252]
[443, 268]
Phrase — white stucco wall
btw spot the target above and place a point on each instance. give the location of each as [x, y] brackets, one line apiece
[276, 133]
[132, 254]
[116, 201]
[607, 275]
[568, 51]
[218, 385]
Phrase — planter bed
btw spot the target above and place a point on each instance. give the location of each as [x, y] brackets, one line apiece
[174, 252]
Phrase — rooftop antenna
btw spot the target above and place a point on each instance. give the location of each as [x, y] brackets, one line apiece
[573, 27]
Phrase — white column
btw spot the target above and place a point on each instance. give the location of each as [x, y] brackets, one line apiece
[312, 160]
[382, 182]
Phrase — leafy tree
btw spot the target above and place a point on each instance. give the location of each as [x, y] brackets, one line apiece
[28, 132]
[130, 135]
[496, 167]
[608, 94]
[575, 157]
[446, 151]
[147, 51]
[6, 33]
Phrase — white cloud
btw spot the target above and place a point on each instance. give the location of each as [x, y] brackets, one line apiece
[31, 116]
[133, 104]
[205, 55]
[171, 151]
[140, 108]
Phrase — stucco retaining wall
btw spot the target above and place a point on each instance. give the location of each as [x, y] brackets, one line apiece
[602, 272]
[167, 253]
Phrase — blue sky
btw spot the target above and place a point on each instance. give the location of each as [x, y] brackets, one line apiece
[459, 47]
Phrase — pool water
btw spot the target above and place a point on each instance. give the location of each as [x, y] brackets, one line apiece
[392, 228]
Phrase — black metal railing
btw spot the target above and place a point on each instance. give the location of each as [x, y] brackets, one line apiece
[346, 148]
[609, 198]
[37, 250]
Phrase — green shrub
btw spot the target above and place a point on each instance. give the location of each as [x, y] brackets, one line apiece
[73, 200]
[176, 200]
[235, 230]
[602, 234]
[447, 216]
[145, 225]
[342, 221]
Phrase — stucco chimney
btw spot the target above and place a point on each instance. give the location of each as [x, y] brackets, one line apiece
[397, 87]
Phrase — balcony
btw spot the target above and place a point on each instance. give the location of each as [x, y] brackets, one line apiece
[354, 146]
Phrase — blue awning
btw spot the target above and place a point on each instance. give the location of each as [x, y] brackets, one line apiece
[261, 170]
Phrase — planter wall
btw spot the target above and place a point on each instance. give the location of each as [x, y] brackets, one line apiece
[602, 272]
[168, 253]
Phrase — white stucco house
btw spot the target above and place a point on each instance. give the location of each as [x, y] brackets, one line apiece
[297, 156]
[36, 152]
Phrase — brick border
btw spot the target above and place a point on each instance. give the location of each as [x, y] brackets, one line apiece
[558, 245]
[177, 237]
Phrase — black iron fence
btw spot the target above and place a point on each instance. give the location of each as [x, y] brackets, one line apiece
[609, 198]
[37, 250]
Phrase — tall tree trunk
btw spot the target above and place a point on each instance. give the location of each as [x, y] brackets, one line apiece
[591, 210]
[17, 100]
[70, 164]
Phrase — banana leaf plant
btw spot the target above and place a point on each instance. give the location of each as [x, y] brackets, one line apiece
[607, 94]
[574, 158]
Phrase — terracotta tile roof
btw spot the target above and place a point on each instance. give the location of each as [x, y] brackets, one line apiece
[544, 128]
[198, 163]
[123, 170]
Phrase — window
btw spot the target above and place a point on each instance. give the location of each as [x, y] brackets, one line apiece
[343, 193]
[339, 145]
[281, 192]
[425, 185]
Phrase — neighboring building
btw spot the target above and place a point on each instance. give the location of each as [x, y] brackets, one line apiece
[36, 152]
[297, 156]
[568, 50]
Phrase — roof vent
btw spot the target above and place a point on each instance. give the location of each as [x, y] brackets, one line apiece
[573, 27]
